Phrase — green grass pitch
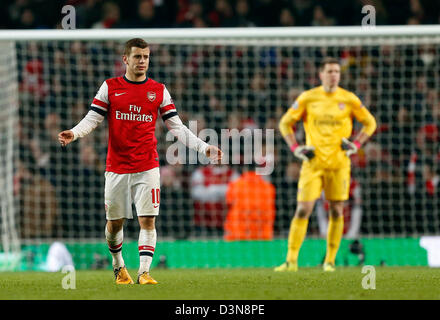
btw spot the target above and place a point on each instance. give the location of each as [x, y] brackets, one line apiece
[228, 284]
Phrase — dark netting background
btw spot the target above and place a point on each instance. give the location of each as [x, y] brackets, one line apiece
[395, 176]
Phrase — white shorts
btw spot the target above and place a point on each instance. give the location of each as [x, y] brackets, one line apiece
[140, 188]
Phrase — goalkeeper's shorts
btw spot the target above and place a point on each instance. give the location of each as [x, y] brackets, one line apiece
[140, 188]
[334, 182]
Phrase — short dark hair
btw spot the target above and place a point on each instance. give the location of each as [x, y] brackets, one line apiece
[135, 42]
[328, 60]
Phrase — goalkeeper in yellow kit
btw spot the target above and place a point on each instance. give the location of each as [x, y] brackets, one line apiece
[327, 113]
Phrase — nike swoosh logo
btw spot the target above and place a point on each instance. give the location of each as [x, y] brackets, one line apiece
[156, 206]
[118, 94]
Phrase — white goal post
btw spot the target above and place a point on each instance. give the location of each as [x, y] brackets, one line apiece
[10, 245]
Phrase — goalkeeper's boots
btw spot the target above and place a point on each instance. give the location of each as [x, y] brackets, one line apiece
[287, 266]
[328, 267]
[122, 276]
[145, 278]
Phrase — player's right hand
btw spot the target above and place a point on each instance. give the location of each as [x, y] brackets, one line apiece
[65, 137]
[305, 153]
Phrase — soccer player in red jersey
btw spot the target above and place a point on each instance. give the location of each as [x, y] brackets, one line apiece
[132, 104]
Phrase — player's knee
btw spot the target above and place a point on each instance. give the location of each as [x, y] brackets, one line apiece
[336, 210]
[114, 226]
[302, 212]
[147, 222]
[335, 214]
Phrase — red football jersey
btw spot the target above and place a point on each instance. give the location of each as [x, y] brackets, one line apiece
[210, 206]
[132, 109]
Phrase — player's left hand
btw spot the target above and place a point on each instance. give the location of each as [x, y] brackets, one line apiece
[65, 137]
[213, 153]
[351, 147]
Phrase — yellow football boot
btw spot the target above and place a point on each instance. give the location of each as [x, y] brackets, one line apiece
[145, 278]
[328, 267]
[122, 276]
[287, 266]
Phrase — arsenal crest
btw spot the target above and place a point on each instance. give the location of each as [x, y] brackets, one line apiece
[341, 105]
[151, 96]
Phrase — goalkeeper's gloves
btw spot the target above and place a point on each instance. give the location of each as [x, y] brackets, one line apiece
[304, 153]
[350, 147]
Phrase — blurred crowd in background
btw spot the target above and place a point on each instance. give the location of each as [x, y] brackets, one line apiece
[395, 187]
[395, 176]
[30, 14]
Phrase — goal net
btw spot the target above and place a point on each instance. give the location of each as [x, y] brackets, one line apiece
[219, 79]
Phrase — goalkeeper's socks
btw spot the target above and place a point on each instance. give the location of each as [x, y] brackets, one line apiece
[297, 233]
[334, 236]
[114, 242]
[147, 244]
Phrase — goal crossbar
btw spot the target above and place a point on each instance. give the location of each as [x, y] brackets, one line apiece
[299, 36]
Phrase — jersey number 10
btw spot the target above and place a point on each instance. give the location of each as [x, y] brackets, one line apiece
[155, 196]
